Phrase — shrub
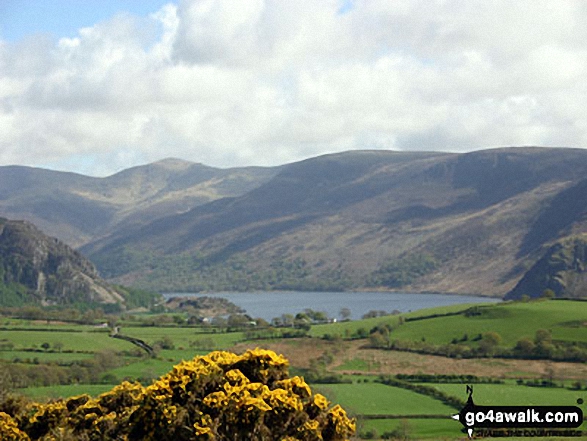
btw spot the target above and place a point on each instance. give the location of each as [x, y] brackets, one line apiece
[9, 430]
[221, 396]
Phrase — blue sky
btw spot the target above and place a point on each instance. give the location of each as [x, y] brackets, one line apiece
[63, 18]
[98, 86]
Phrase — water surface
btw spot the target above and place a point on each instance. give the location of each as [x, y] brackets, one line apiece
[268, 305]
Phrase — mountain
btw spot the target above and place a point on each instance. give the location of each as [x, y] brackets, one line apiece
[562, 269]
[409, 221]
[78, 209]
[35, 268]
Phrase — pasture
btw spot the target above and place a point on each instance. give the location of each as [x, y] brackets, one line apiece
[29, 343]
[44, 393]
[512, 321]
[417, 428]
[380, 399]
[511, 394]
[88, 340]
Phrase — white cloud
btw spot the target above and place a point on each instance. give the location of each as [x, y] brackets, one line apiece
[230, 83]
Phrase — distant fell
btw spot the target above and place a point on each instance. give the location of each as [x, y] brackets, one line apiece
[471, 223]
[78, 209]
[409, 221]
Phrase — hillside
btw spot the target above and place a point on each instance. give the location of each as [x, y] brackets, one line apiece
[35, 268]
[410, 221]
[78, 209]
[562, 269]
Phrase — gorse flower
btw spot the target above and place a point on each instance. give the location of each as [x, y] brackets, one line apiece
[221, 396]
[9, 430]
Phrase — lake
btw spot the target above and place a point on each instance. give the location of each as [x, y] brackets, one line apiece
[268, 305]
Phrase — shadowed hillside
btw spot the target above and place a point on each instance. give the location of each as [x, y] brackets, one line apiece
[562, 269]
[35, 268]
[462, 223]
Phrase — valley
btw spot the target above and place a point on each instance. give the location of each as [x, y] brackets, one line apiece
[83, 260]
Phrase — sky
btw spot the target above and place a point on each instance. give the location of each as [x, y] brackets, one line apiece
[95, 87]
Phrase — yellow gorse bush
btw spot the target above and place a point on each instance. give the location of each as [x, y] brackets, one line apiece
[218, 397]
[9, 430]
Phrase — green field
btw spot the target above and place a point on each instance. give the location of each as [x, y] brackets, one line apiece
[348, 328]
[11, 322]
[183, 336]
[70, 390]
[514, 395]
[42, 357]
[85, 341]
[146, 368]
[380, 399]
[418, 428]
[154, 367]
[357, 365]
[512, 321]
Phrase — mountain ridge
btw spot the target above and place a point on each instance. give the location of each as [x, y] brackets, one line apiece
[471, 223]
[466, 218]
[78, 208]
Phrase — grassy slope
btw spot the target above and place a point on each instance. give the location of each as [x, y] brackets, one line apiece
[514, 395]
[379, 399]
[419, 428]
[77, 208]
[341, 328]
[75, 341]
[44, 357]
[69, 390]
[511, 320]
[183, 336]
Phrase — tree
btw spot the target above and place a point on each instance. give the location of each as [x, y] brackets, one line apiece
[165, 343]
[543, 341]
[371, 314]
[238, 321]
[548, 294]
[219, 322]
[525, 347]
[320, 317]
[543, 336]
[261, 322]
[345, 313]
[362, 333]
[489, 343]
[287, 319]
[6, 382]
